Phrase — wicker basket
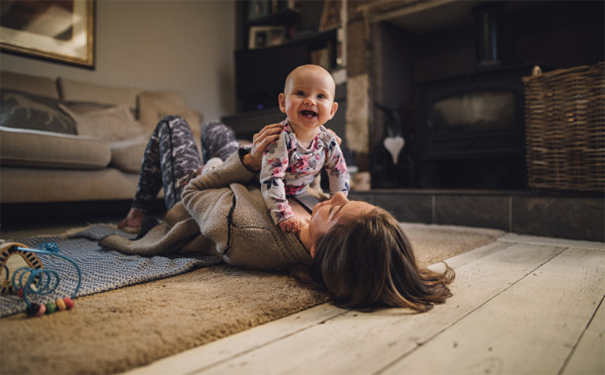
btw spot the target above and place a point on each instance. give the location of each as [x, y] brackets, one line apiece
[565, 129]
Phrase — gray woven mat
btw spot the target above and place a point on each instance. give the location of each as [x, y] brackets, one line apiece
[102, 270]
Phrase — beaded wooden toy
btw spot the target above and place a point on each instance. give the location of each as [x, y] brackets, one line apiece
[33, 278]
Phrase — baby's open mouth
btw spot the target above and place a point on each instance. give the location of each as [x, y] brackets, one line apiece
[309, 114]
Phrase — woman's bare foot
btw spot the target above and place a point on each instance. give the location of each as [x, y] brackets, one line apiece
[132, 222]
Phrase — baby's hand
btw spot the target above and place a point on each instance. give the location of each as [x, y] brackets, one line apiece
[290, 225]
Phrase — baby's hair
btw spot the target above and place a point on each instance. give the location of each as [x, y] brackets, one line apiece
[305, 67]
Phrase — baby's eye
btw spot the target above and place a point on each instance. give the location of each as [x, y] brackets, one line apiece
[300, 93]
[321, 96]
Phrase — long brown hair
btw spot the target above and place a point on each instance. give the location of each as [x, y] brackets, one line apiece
[370, 263]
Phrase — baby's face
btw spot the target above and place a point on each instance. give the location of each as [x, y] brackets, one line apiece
[308, 98]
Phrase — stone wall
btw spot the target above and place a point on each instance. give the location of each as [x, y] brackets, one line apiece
[360, 111]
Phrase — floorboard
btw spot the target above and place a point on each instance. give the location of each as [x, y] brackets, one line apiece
[530, 328]
[589, 355]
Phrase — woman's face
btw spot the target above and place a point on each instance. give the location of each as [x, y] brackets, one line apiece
[336, 210]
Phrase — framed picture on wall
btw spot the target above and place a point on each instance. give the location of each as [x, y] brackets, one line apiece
[55, 30]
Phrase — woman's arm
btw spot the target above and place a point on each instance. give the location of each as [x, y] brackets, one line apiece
[238, 168]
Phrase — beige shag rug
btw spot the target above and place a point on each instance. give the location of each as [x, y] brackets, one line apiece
[123, 329]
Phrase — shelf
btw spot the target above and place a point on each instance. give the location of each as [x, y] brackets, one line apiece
[284, 17]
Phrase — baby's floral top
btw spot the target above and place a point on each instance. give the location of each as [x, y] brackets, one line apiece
[288, 168]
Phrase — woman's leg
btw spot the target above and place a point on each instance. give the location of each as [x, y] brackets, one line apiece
[218, 141]
[171, 159]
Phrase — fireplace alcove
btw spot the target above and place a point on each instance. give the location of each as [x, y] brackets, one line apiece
[432, 65]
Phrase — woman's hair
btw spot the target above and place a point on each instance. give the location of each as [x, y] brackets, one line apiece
[370, 263]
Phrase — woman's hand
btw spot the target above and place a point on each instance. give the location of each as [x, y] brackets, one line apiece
[338, 139]
[260, 141]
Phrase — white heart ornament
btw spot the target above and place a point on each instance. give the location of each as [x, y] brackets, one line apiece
[394, 145]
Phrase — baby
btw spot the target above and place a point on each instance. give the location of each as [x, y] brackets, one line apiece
[291, 162]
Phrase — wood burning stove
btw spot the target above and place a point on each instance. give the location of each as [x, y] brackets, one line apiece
[469, 120]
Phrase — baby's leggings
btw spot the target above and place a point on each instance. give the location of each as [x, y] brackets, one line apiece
[171, 159]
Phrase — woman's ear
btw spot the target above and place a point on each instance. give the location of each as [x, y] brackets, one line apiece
[281, 99]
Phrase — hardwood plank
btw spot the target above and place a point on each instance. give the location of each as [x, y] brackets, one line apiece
[358, 342]
[531, 328]
[518, 238]
[472, 256]
[589, 355]
[217, 351]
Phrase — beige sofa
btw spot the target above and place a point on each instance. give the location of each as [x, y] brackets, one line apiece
[64, 141]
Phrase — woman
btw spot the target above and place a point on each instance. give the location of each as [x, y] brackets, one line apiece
[355, 251]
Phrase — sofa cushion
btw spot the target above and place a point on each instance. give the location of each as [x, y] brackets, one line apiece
[40, 86]
[31, 148]
[112, 124]
[152, 110]
[173, 98]
[19, 185]
[71, 90]
[127, 156]
[26, 111]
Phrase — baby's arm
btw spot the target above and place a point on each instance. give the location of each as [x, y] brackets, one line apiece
[335, 165]
[274, 164]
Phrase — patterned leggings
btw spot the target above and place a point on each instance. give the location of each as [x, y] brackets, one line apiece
[170, 161]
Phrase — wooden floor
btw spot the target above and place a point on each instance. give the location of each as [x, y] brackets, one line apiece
[522, 305]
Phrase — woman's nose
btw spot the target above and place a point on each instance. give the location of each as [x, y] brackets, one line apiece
[339, 198]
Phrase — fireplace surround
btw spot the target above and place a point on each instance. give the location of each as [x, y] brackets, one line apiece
[465, 55]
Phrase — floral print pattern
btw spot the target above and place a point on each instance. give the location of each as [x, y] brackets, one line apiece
[288, 168]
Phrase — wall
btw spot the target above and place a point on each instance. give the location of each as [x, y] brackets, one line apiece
[158, 45]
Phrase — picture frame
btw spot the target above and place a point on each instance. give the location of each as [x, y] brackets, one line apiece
[54, 30]
[266, 36]
[258, 9]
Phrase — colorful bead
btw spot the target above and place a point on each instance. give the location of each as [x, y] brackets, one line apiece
[60, 305]
[69, 304]
[50, 308]
[41, 310]
[32, 309]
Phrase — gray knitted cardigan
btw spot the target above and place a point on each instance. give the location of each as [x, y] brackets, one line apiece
[222, 213]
